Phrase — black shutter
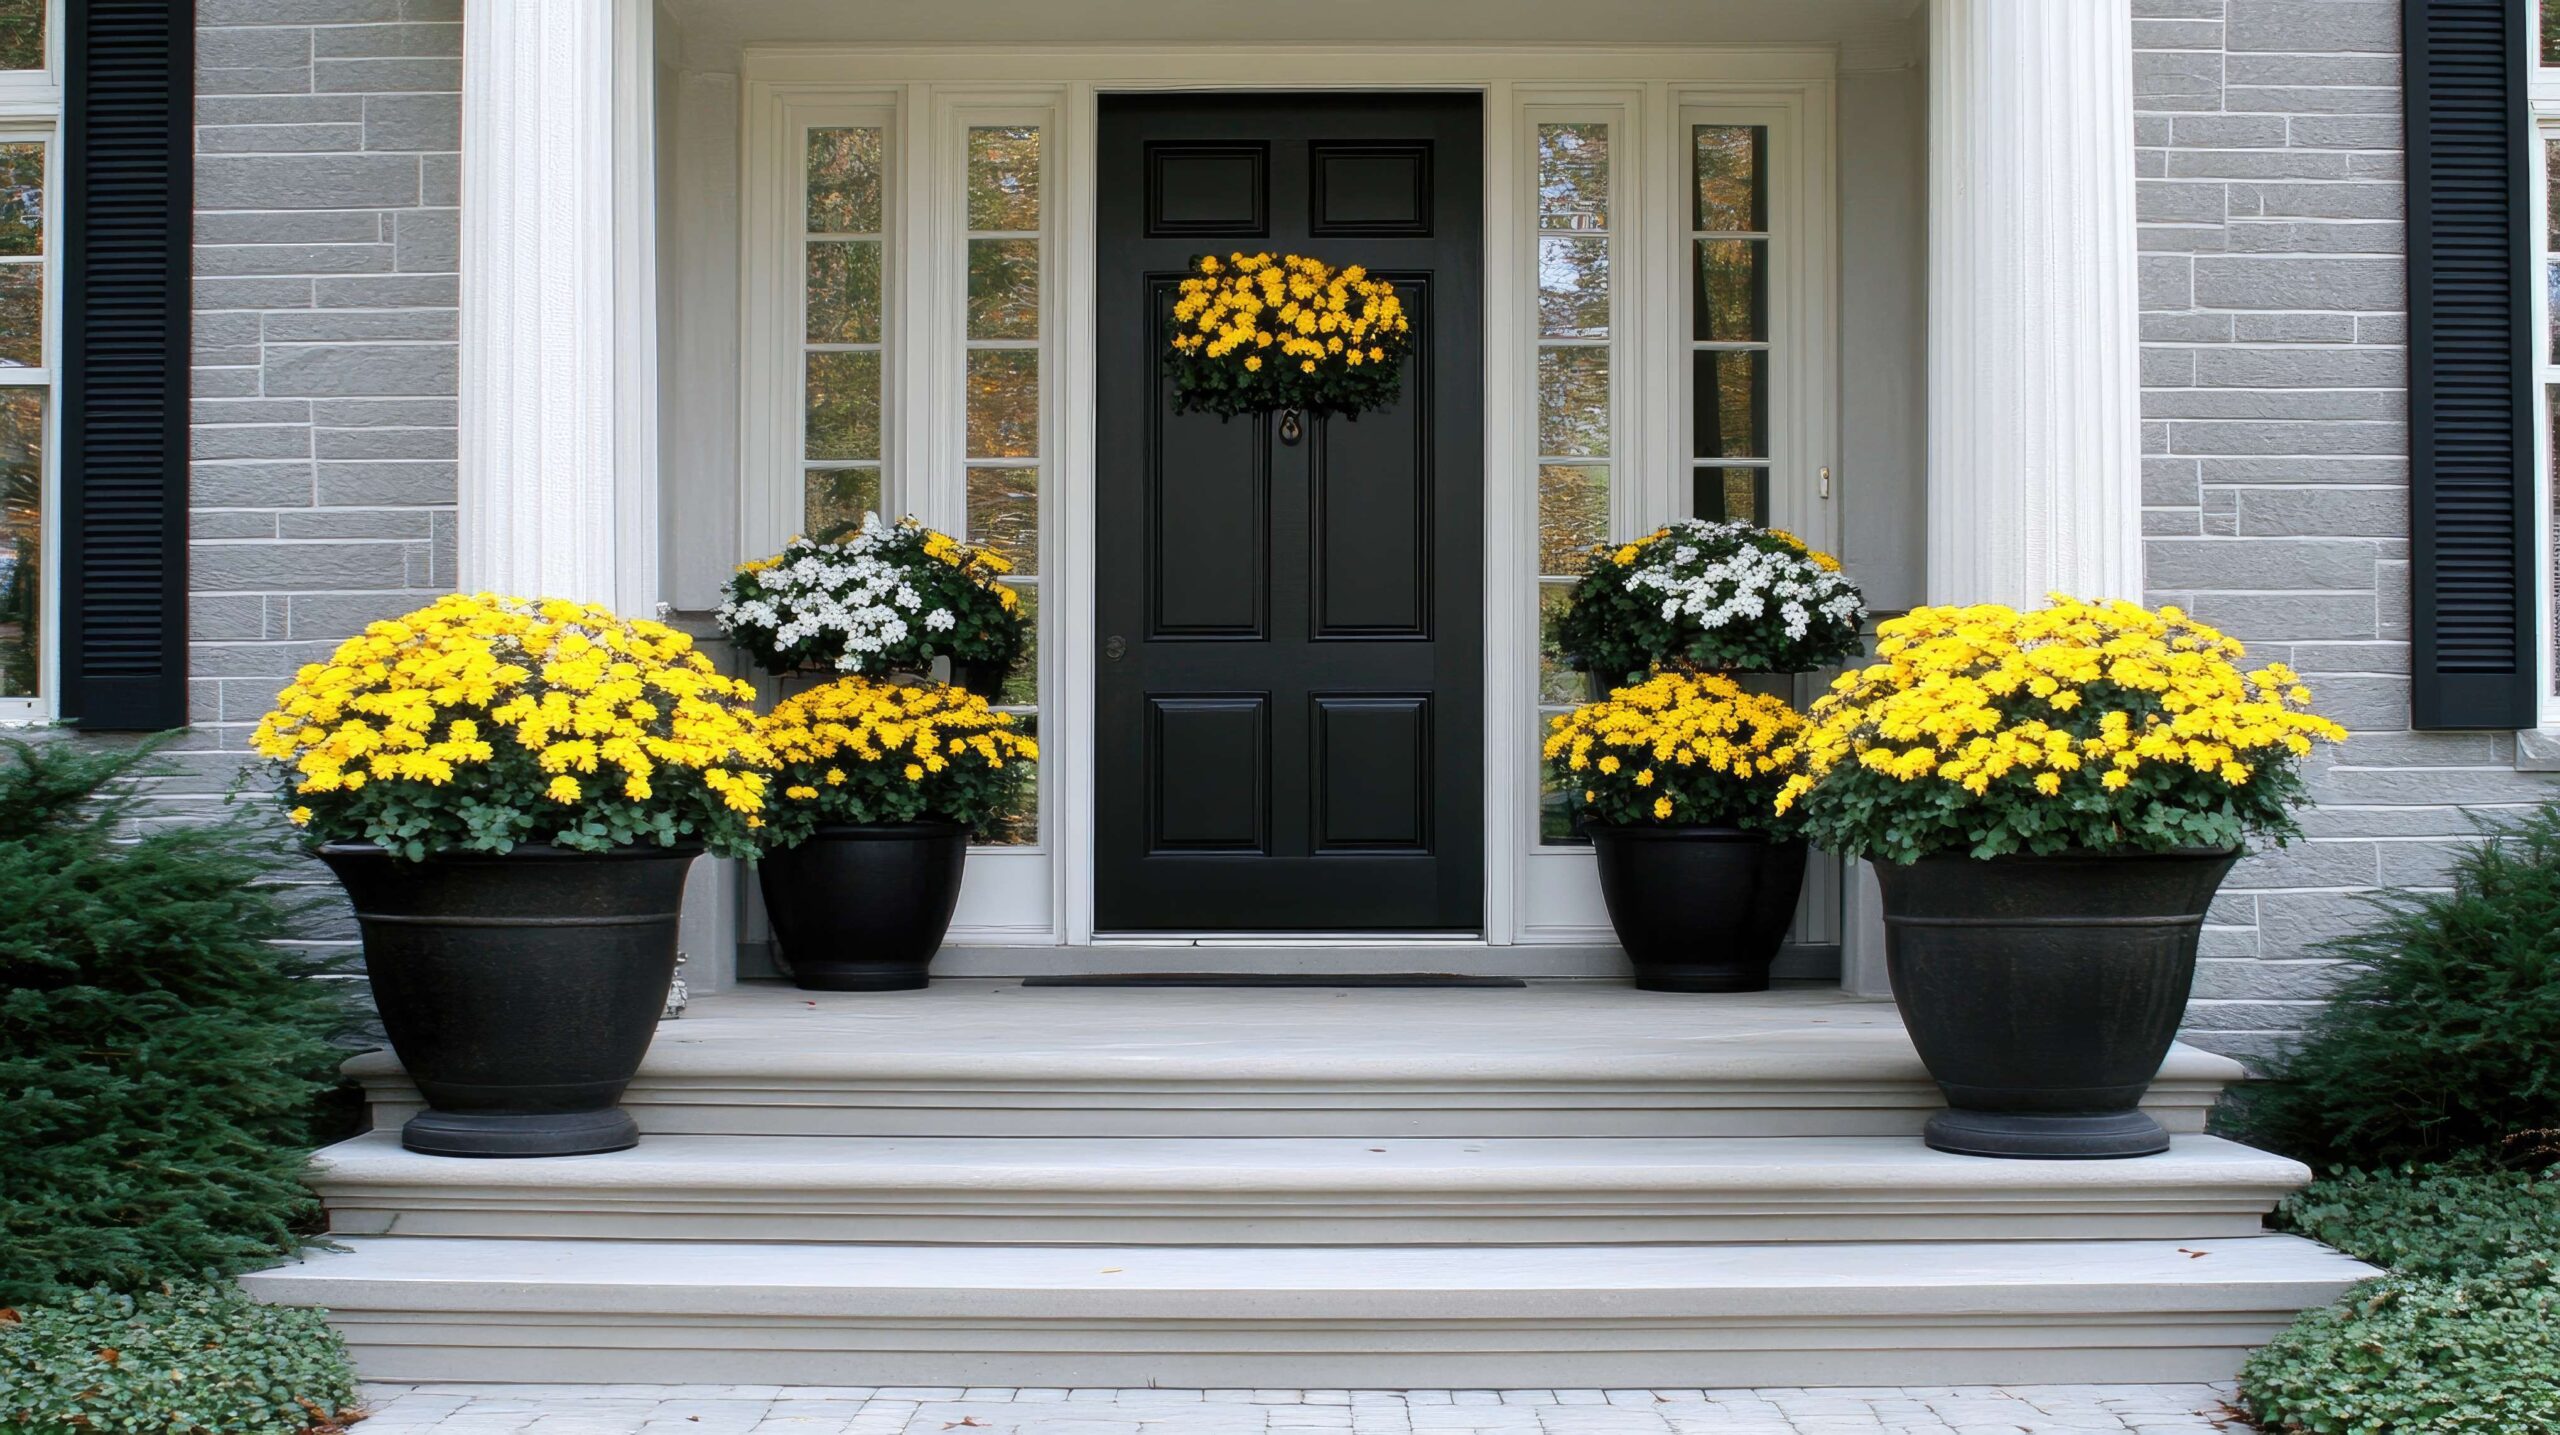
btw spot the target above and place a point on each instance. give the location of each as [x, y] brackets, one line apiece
[126, 182]
[2472, 560]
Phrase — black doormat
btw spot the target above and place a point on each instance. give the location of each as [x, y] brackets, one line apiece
[1269, 979]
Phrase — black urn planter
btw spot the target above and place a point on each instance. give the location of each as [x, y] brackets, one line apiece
[983, 677]
[1699, 909]
[520, 991]
[863, 908]
[2043, 992]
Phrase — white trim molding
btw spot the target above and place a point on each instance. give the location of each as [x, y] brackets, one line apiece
[2035, 432]
[558, 377]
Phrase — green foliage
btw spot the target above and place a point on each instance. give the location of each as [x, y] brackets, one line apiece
[1712, 596]
[162, 1056]
[2462, 1336]
[2447, 1039]
[184, 1360]
[2419, 1221]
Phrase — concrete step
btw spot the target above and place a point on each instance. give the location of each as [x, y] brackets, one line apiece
[1558, 1059]
[1301, 1191]
[1328, 1316]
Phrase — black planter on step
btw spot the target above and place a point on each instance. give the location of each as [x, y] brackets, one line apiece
[2043, 992]
[1699, 909]
[985, 678]
[519, 991]
[863, 908]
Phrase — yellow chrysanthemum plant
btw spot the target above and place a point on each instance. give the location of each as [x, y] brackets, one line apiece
[1678, 749]
[481, 722]
[860, 751]
[1259, 333]
[2096, 726]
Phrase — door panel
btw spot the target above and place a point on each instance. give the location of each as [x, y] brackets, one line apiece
[1289, 690]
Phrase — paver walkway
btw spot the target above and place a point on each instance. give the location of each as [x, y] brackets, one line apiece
[821, 1410]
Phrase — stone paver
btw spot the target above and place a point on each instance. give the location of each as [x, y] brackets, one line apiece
[923, 1410]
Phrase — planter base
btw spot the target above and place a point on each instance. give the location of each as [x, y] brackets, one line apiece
[483, 1133]
[842, 981]
[2034, 1136]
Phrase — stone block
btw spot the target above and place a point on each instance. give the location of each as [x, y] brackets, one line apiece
[333, 370]
[2278, 200]
[404, 291]
[252, 293]
[220, 441]
[291, 226]
[2206, 436]
[413, 122]
[2169, 481]
[2314, 100]
[336, 181]
[277, 139]
[227, 260]
[429, 241]
[321, 523]
[2282, 404]
[250, 485]
[2300, 511]
[2257, 618]
[2357, 71]
[367, 443]
[278, 109]
[2236, 281]
[325, 326]
[2259, 564]
[2314, 26]
[339, 42]
[2376, 655]
[2332, 237]
[2254, 368]
[2177, 80]
[426, 75]
[267, 81]
[2167, 281]
[295, 12]
[390, 481]
[298, 567]
[2169, 201]
[231, 523]
[2257, 164]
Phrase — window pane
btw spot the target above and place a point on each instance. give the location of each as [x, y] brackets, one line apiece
[1732, 295]
[844, 181]
[1731, 403]
[1557, 683]
[1573, 176]
[2551, 32]
[1004, 403]
[1732, 493]
[833, 501]
[1573, 287]
[2551, 225]
[1557, 802]
[844, 406]
[1004, 177]
[21, 34]
[1004, 514]
[21, 532]
[21, 199]
[844, 291]
[1573, 403]
[21, 314]
[1004, 288]
[1022, 829]
[1573, 514]
[1731, 194]
[1022, 685]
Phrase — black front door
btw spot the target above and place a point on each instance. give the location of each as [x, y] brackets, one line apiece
[1291, 634]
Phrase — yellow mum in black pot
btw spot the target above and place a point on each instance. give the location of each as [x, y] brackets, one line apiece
[1258, 333]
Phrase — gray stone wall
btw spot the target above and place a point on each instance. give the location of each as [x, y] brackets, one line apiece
[325, 310]
[2275, 477]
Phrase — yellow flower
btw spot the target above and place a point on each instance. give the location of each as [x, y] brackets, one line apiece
[564, 788]
[301, 816]
[1662, 809]
[1252, 363]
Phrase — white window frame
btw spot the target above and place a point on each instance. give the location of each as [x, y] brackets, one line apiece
[31, 111]
[1043, 895]
[2543, 86]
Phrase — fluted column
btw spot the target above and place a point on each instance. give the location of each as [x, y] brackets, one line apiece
[558, 471]
[2035, 432]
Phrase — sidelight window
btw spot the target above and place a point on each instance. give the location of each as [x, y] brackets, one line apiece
[26, 357]
[1576, 257]
[1729, 322]
[1002, 394]
[845, 328]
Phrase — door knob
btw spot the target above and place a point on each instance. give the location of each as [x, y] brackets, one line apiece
[1115, 647]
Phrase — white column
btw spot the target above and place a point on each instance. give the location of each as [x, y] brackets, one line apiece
[559, 462]
[2035, 435]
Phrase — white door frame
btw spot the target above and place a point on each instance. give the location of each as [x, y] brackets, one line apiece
[1531, 895]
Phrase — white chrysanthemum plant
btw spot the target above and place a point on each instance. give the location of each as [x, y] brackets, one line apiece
[1711, 596]
[888, 600]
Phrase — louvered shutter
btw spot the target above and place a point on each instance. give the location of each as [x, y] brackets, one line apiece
[2475, 649]
[126, 186]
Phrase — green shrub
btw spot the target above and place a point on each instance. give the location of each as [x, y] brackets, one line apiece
[161, 1054]
[186, 1360]
[2414, 1355]
[2463, 1335]
[2415, 1222]
[2447, 1040]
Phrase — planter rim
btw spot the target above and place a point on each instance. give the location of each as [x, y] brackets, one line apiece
[522, 851]
[2068, 854]
[1670, 831]
[882, 831]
